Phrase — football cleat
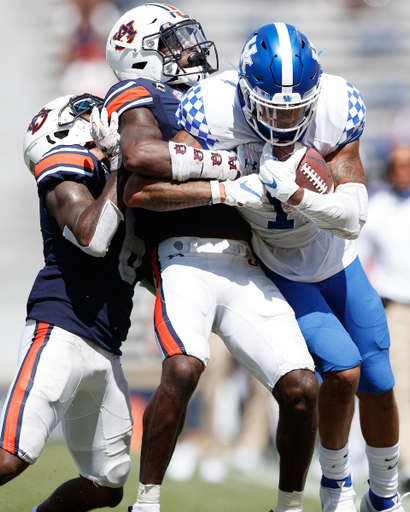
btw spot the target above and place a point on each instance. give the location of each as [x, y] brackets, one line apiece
[366, 504]
[339, 497]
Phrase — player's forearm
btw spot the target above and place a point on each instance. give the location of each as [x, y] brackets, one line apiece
[147, 157]
[98, 223]
[189, 162]
[87, 223]
[343, 213]
[151, 194]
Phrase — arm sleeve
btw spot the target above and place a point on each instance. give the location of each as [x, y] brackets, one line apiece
[107, 226]
[343, 213]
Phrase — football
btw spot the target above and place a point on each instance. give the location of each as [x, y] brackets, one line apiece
[312, 172]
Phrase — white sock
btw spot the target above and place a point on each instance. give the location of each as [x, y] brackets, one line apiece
[383, 470]
[289, 501]
[148, 498]
[144, 507]
[334, 463]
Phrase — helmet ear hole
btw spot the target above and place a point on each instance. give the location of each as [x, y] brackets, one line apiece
[139, 65]
[62, 134]
[50, 140]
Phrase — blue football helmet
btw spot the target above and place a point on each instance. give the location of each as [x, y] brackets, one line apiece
[280, 82]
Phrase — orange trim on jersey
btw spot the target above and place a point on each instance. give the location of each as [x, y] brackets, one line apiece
[16, 400]
[128, 95]
[65, 158]
[168, 342]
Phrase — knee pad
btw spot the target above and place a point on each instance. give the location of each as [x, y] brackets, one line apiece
[330, 345]
[376, 375]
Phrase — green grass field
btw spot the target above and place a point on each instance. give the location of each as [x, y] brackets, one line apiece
[237, 494]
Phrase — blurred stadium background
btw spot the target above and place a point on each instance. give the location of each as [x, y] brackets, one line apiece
[55, 47]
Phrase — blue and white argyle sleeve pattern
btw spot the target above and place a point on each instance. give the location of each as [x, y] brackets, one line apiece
[190, 115]
[356, 116]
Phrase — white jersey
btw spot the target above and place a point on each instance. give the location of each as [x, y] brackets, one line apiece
[286, 242]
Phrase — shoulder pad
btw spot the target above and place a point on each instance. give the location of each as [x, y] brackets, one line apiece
[65, 163]
[356, 115]
[126, 95]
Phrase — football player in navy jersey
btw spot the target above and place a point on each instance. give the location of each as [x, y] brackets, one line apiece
[78, 314]
[280, 96]
[206, 276]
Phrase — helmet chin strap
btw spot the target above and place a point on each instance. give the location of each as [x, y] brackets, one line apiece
[196, 59]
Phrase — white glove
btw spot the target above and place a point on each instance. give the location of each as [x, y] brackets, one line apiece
[246, 191]
[249, 156]
[279, 176]
[106, 136]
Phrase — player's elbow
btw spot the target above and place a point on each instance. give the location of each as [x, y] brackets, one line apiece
[138, 156]
[132, 156]
[347, 227]
[129, 198]
[131, 195]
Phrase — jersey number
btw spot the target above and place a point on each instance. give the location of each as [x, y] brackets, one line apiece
[132, 251]
[282, 221]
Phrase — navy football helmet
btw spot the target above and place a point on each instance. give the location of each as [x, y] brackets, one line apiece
[280, 82]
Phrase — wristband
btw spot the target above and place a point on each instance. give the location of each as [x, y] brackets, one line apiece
[215, 192]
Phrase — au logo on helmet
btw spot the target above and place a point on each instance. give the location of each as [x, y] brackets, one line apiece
[165, 26]
[38, 121]
[125, 31]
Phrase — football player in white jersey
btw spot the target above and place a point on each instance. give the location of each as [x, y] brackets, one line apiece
[206, 276]
[280, 96]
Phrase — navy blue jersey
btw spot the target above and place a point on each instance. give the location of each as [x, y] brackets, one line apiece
[163, 102]
[85, 295]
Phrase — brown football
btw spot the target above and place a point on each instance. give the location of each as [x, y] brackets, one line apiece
[312, 172]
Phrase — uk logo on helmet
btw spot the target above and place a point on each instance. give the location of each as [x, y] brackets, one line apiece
[248, 51]
[38, 121]
[125, 31]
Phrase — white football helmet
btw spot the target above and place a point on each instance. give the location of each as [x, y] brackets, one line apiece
[150, 40]
[60, 122]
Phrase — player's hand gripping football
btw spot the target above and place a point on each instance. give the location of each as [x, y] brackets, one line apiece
[106, 137]
[247, 191]
[279, 176]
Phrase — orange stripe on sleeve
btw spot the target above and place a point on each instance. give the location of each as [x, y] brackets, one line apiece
[16, 399]
[65, 159]
[128, 95]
